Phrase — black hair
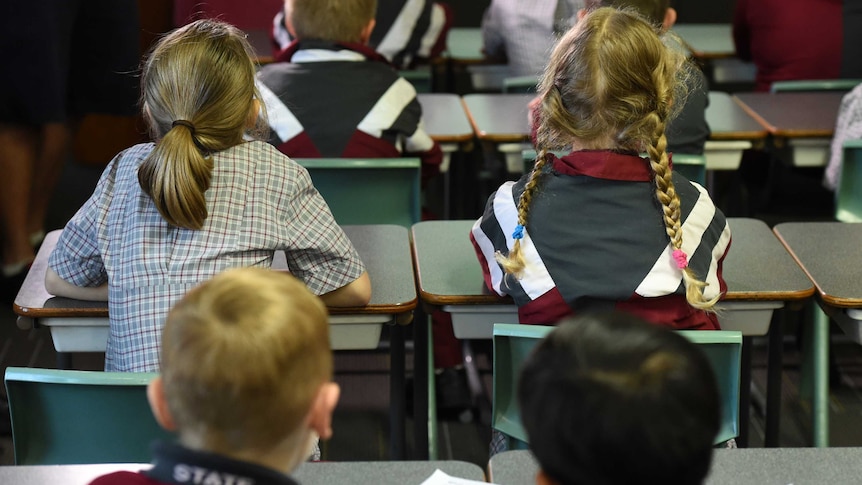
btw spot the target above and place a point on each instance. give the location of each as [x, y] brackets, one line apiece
[611, 399]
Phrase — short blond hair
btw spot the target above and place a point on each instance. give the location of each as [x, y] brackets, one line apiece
[652, 10]
[243, 356]
[331, 20]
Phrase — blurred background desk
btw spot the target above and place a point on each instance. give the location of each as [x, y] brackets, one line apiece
[831, 255]
[801, 121]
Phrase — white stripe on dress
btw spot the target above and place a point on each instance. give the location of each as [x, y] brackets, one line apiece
[388, 108]
[281, 119]
[535, 280]
[399, 34]
[664, 277]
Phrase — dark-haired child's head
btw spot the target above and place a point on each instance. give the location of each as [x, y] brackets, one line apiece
[610, 399]
[246, 368]
[330, 20]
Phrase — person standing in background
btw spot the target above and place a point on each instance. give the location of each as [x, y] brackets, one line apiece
[799, 39]
[522, 33]
[62, 59]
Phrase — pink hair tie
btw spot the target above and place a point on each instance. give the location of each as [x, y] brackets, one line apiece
[680, 258]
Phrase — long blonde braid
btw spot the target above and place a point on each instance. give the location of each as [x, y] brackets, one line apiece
[669, 199]
[514, 263]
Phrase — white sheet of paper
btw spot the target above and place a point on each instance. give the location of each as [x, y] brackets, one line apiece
[441, 478]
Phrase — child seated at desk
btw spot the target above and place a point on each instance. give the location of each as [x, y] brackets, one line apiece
[167, 215]
[246, 382]
[610, 399]
[603, 228]
[405, 32]
[330, 95]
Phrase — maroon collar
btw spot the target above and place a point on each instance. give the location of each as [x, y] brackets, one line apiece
[604, 164]
[287, 53]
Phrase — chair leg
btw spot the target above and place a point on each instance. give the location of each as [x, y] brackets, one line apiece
[820, 370]
[478, 393]
[432, 396]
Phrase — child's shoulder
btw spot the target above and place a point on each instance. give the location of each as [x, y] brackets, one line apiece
[258, 157]
[124, 478]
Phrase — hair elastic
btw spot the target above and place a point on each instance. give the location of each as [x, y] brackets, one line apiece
[187, 124]
[681, 258]
[519, 232]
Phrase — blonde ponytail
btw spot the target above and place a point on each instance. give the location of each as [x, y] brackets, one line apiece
[198, 93]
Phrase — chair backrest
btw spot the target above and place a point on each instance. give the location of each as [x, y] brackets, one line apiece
[368, 190]
[421, 78]
[848, 196]
[723, 348]
[66, 417]
[520, 84]
[513, 343]
[815, 85]
[692, 166]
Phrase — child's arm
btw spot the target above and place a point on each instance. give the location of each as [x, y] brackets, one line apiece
[493, 41]
[59, 287]
[355, 293]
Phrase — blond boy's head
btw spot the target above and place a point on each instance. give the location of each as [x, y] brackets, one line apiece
[658, 12]
[331, 20]
[246, 364]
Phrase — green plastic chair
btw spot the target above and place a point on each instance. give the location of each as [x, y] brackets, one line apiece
[693, 167]
[723, 348]
[67, 417]
[848, 196]
[814, 85]
[520, 84]
[420, 78]
[513, 343]
[369, 190]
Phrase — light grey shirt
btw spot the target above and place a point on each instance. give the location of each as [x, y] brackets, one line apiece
[525, 31]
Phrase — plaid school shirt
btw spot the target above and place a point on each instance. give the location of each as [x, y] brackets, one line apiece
[259, 201]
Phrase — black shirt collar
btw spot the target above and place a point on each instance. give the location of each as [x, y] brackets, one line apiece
[176, 464]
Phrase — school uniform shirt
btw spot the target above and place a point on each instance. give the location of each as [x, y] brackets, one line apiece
[259, 201]
[405, 31]
[174, 464]
[595, 239]
[847, 127]
[799, 39]
[525, 31]
[337, 100]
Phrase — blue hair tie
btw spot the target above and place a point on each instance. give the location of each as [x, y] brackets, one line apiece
[519, 232]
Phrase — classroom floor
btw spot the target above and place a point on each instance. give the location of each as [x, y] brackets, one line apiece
[361, 420]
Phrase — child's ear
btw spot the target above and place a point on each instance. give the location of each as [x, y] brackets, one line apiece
[320, 414]
[365, 37]
[669, 19]
[542, 478]
[581, 14]
[253, 114]
[288, 22]
[159, 405]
